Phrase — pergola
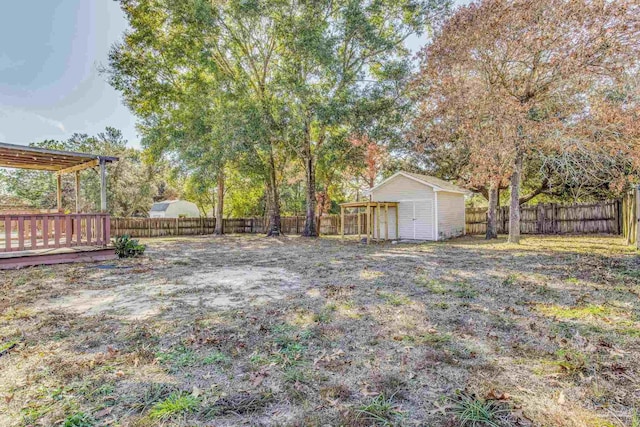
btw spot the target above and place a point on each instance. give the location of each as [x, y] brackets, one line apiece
[371, 216]
[61, 162]
[49, 238]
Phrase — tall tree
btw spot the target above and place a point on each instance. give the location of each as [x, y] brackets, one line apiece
[294, 70]
[336, 54]
[535, 62]
[195, 72]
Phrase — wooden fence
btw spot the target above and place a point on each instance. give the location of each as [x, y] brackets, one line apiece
[630, 209]
[611, 217]
[160, 227]
[552, 218]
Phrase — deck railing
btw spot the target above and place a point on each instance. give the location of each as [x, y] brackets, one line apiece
[21, 232]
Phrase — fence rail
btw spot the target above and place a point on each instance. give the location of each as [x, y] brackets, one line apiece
[546, 218]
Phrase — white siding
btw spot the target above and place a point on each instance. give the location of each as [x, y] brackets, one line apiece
[392, 223]
[423, 220]
[405, 226]
[415, 223]
[451, 222]
[402, 188]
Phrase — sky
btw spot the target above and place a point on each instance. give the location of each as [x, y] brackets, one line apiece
[50, 54]
[50, 86]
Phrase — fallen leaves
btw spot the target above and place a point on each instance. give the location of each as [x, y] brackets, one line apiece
[494, 395]
[258, 377]
[561, 398]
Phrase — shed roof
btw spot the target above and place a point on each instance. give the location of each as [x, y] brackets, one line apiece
[164, 205]
[436, 183]
[25, 157]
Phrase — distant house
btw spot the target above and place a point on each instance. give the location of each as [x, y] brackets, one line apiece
[174, 209]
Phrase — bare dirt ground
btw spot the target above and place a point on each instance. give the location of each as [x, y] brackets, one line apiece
[246, 330]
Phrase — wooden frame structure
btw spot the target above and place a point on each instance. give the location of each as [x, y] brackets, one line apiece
[51, 238]
[61, 162]
[370, 217]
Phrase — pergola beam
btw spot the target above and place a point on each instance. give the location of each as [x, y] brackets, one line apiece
[78, 168]
[27, 157]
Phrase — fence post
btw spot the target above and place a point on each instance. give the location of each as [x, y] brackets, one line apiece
[637, 215]
[540, 218]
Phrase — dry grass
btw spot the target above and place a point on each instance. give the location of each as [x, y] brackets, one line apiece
[296, 332]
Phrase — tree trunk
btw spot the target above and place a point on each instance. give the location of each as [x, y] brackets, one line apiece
[514, 208]
[492, 213]
[220, 204]
[310, 193]
[274, 228]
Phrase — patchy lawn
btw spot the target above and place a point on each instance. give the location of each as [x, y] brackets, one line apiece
[295, 332]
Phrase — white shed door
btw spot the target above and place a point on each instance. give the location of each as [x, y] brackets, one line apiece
[416, 218]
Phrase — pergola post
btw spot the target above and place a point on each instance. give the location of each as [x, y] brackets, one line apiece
[378, 219]
[77, 191]
[397, 221]
[386, 221]
[368, 222]
[103, 186]
[59, 192]
[374, 215]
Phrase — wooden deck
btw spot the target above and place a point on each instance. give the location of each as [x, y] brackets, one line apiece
[43, 238]
[19, 259]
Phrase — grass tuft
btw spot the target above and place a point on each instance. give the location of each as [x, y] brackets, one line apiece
[175, 404]
[576, 313]
[471, 411]
[381, 410]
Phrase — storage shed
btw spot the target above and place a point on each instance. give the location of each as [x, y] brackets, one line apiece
[174, 209]
[414, 207]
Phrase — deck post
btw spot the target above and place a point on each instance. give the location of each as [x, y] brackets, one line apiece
[59, 192]
[359, 223]
[77, 191]
[103, 186]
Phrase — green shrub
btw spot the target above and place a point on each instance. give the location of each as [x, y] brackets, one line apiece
[126, 247]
